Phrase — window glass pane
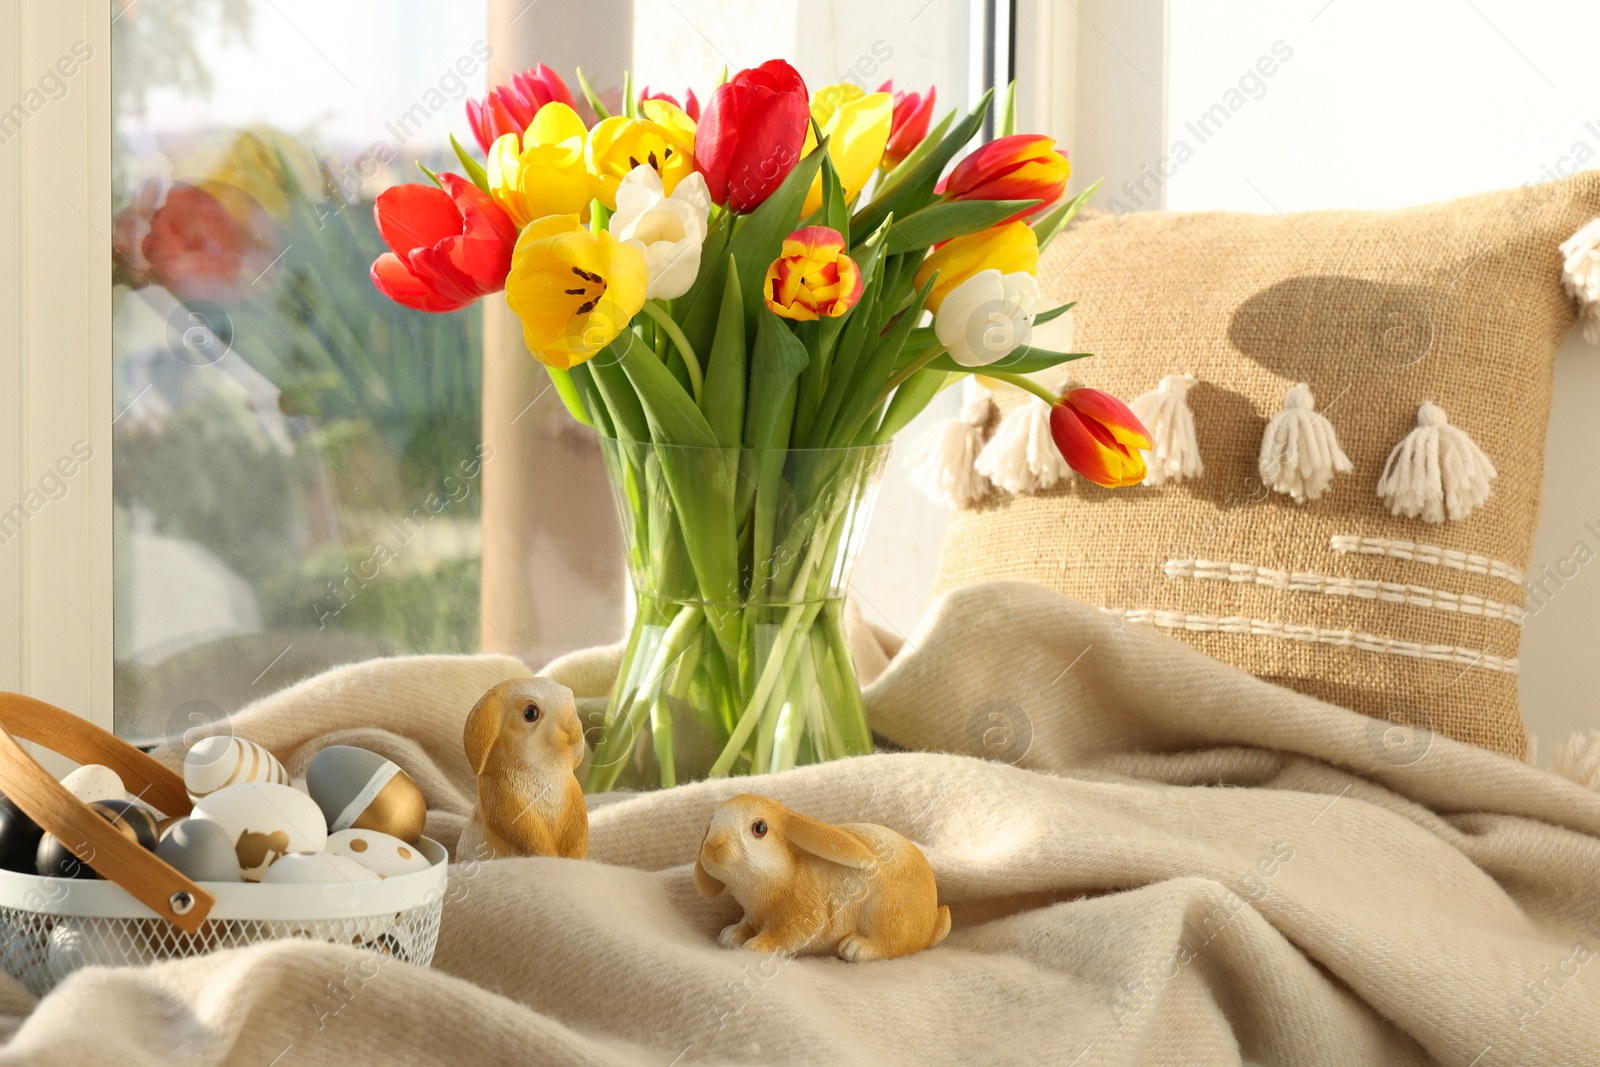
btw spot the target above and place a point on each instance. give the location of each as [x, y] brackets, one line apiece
[297, 469]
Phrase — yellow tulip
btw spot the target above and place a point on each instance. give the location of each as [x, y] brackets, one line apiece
[545, 173]
[663, 138]
[1007, 248]
[574, 291]
[857, 125]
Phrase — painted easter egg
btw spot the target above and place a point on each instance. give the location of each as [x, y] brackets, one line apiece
[19, 838]
[93, 782]
[360, 789]
[55, 859]
[382, 853]
[200, 849]
[217, 762]
[265, 821]
[301, 868]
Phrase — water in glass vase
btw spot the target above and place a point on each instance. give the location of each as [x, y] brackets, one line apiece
[737, 661]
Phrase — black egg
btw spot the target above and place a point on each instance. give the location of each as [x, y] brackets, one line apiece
[19, 838]
[136, 822]
[55, 860]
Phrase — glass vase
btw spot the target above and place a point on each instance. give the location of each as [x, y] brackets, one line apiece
[737, 661]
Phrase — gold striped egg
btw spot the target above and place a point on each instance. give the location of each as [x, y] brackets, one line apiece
[215, 762]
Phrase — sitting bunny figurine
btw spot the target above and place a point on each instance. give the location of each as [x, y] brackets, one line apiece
[524, 742]
[860, 891]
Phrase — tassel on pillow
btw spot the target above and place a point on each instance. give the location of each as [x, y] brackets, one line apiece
[1022, 457]
[1580, 274]
[942, 461]
[1436, 471]
[1578, 758]
[1300, 453]
[1165, 413]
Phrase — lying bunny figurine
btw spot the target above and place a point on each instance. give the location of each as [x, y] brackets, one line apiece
[524, 742]
[860, 891]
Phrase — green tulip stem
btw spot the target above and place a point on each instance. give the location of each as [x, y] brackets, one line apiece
[1022, 381]
[690, 360]
[907, 371]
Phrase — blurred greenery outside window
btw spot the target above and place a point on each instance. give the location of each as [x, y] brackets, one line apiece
[297, 459]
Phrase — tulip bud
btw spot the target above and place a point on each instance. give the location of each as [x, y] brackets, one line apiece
[987, 317]
[1024, 166]
[750, 134]
[1100, 437]
[813, 277]
[912, 114]
[1009, 248]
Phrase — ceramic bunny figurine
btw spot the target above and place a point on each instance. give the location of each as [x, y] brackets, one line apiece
[524, 742]
[859, 891]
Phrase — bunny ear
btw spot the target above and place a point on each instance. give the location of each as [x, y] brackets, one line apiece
[828, 842]
[707, 885]
[482, 731]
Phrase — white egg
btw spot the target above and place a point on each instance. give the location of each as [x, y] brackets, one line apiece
[264, 821]
[92, 782]
[218, 762]
[113, 943]
[316, 867]
[383, 853]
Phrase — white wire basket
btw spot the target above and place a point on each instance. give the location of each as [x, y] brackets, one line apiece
[141, 910]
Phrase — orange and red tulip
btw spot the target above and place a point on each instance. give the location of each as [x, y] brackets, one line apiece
[912, 114]
[1100, 437]
[1024, 166]
[813, 277]
[450, 246]
[509, 108]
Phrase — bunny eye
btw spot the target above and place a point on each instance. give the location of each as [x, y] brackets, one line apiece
[759, 828]
[531, 713]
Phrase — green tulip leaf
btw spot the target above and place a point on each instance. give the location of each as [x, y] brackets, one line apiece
[1023, 360]
[914, 189]
[946, 219]
[475, 172]
[724, 397]
[1047, 226]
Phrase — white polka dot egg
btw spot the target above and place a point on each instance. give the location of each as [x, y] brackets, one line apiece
[383, 854]
[321, 868]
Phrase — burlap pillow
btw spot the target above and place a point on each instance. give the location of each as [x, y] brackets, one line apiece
[1461, 304]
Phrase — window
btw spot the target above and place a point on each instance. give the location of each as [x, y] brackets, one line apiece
[296, 458]
[300, 466]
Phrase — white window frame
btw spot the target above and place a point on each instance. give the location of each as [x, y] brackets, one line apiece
[55, 358]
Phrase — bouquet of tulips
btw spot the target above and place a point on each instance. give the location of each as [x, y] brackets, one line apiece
[746, 302]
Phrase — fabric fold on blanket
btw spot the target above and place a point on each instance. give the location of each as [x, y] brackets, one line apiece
[1161, 861]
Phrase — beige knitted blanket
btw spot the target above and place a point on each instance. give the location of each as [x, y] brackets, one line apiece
[1184, 865]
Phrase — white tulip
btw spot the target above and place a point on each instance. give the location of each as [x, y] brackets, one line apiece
[987, 317]
[667, 229]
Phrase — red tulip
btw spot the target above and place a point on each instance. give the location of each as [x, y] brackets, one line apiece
[690, 105]
[751, 134]
[200, 250]
[912, 113]
[509, 108]
[1024, 166]
[451, 245]
[1100, 437]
